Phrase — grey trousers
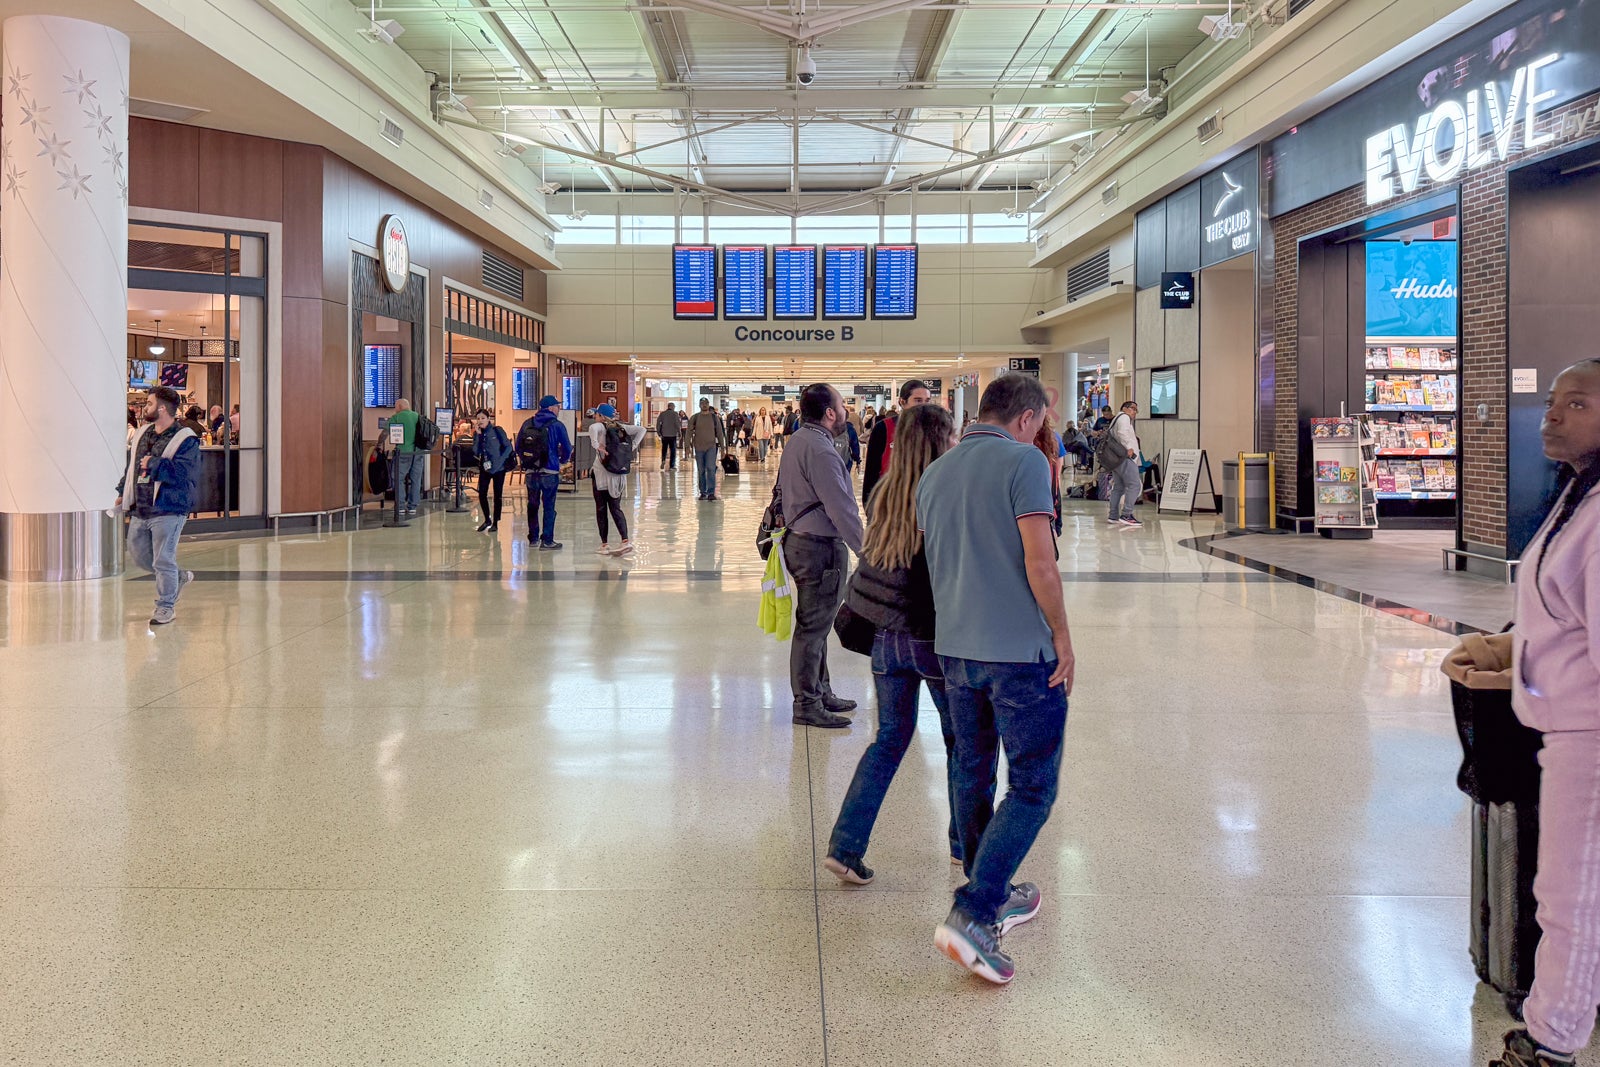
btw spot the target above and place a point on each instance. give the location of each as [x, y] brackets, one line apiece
[1126, 488]
[818, 568]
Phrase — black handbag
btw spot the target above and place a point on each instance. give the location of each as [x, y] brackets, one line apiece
[856, 634]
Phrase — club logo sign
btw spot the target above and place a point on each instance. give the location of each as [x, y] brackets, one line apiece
[1235, 228]
[1177, 291]
[1481, 132]
[395, 250]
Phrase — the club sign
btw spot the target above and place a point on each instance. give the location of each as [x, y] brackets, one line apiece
[1481, 132]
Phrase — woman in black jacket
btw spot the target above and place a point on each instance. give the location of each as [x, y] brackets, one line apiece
[891, 589]
[492, 452]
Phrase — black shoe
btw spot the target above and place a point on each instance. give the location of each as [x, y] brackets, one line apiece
[821, 719]
[839, 705]
[549, 546]
[493, 526]
[851, 871]
[482, 526]
[1523, 1051]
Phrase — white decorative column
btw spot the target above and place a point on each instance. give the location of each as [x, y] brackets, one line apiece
[63, 296]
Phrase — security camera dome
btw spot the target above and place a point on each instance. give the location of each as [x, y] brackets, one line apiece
[805, 67]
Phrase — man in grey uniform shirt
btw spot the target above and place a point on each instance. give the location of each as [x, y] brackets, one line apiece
[823, 521]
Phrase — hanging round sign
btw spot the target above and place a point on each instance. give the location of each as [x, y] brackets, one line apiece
[395, 249]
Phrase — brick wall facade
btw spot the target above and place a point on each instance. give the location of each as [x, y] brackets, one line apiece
[1483, 315]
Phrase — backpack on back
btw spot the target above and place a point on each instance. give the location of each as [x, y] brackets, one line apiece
[619, 449]
[1110, 452]
[426, 436]
[533, 446]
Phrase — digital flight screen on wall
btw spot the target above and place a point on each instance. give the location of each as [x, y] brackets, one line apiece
[524, 384]
[794, 281]
[694, 281]
[380, 376]
[894, 281]
[744, 281]
[844, 281]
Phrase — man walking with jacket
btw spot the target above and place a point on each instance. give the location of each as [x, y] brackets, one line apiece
[543, 446]
[823, 521]
[669, 427]
[1126, 485]
[706, 437]
[158, 489]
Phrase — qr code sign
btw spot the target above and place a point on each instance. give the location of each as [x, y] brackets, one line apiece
[1180, 483]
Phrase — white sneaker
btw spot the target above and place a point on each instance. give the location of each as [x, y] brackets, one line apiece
[604, 550]
[627, 546]
[1113, 522]
[161, 616]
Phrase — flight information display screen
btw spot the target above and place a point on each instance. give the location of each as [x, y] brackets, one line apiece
[894, 281]
[524, 384]
[380, 376]
[744, 281]
[794, 281]
[844, 281]
[694, 281]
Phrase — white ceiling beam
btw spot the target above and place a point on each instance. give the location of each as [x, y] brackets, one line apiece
[756, 99]
[928, 64]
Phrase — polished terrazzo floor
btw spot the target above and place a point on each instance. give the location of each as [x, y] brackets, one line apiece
[426, 797]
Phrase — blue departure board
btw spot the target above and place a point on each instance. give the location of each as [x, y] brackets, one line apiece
[694, 281]
[894, 281]
[524, 384]
[844, 281]
[380, 376]
[744, 281]
[794, 281]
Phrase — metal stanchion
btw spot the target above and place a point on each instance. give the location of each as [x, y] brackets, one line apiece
[398, 519]
[457, 507]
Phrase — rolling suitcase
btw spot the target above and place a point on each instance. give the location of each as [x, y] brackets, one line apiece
[1505, 930]
[730, 464]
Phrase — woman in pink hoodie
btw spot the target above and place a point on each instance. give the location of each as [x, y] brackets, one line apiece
[1556, 674]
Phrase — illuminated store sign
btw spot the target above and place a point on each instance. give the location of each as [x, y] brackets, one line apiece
[1456, 137]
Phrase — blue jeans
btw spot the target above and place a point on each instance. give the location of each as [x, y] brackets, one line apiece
[153, 544]
[1010, 704]
[900, 664]
[762, 444]
[408, 468]
[705, 469]
[542, 493]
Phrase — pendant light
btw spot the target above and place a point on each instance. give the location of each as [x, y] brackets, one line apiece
[156, 347]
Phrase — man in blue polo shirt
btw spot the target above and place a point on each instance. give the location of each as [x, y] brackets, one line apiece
[985, 510]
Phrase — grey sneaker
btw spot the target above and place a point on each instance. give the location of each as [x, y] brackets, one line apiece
[183, 580]
[1020, 906]
[161, 616]
[974, 945]
[848, 870]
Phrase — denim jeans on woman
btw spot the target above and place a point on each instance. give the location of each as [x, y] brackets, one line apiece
[900, 664]
[993, 704]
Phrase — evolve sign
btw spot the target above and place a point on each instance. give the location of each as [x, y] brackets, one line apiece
[1459, 135]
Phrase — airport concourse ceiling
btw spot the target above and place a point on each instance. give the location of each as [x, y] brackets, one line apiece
[749, 103]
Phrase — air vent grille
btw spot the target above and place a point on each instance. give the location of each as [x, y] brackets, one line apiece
[1297, 6]
[502, 277]
[485, 199]
[1210, 127]
[1093, 273]
[390, 130]
[1109, 193]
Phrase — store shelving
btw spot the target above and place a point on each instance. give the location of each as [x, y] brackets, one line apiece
[1345, 475]
[1413, 387]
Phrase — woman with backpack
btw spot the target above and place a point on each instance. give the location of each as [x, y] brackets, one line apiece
[492, 452]
[615, 444]
[892, 591]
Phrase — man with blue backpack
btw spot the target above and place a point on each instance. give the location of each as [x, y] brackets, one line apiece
[542, 447]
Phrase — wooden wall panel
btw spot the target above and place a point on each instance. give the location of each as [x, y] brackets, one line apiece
[303, 244]
[241, 175]
[337, 393]
[301, 453]
[163, 165]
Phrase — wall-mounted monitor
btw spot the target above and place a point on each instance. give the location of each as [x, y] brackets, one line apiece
[143, 374]
[1164, 393]
[694, 281]
[844, 281]
[380, 376]
[175, 375]
[524, 388]
[894, 281]
[744, 281]
[794, 281]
